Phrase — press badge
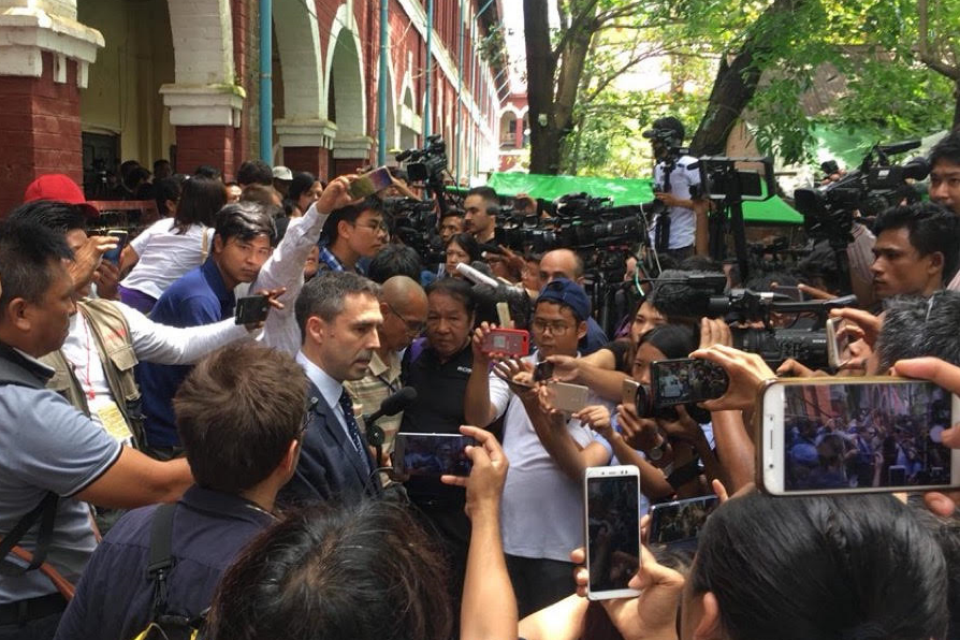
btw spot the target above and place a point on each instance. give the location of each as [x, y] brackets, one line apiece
[113, 422]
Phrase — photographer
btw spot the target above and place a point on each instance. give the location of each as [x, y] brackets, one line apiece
[681, 230]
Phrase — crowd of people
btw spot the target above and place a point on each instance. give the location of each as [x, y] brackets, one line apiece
[167, 467]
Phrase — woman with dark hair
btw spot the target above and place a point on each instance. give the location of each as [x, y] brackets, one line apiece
[167, 195]
[462, 247]
[368, 572]
[304, 190]
[171, 246]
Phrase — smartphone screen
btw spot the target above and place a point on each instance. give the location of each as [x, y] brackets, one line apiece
[370, 183]
[613, 531]
[865, 436]
[433, 454]
[687, 380]
[681, 520]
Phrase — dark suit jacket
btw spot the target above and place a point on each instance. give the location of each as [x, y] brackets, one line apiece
[329, 467]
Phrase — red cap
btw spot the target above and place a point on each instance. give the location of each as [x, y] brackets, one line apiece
[58, 187]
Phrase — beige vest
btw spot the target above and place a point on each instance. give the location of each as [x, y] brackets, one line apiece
[112, 339]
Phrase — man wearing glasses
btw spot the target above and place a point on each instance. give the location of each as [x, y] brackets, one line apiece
[403, 305]
[538, 533]
[353, 232]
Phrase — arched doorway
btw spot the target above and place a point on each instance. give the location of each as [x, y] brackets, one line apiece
[346, 95]
[122, 113]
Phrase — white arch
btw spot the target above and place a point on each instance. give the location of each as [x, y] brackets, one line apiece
[298, 41]
[353, 121]
[202, 42]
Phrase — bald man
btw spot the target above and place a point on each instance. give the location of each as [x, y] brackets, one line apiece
[403, 305]
[564, 263]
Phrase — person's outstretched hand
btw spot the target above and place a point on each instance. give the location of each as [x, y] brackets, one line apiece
[485, 483]
[947, 376]
[747, 373]
[336, 195]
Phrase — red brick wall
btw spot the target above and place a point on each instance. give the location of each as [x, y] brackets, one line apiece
[39, 130]
[206, 145]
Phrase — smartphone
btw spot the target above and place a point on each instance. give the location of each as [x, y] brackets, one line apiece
[686, 381]
[628, 391]
[861, 435]
[567, 397]
[432, 454]
[680, 521]
[114, 254]
[543, 371]
[252, 309]
[370, 183]
[837, 343]
[511, 342]
[612, 530]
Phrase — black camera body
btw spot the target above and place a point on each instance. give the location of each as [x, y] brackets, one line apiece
[775, 346]
[876, 185]
[428, 164]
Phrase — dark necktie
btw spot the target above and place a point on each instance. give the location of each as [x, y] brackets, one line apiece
[353, 429]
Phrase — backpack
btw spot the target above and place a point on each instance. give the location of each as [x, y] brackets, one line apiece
[163, 624]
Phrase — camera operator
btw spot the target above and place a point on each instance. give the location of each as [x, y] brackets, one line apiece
[680, 231]
[481, 207]
[916, 251]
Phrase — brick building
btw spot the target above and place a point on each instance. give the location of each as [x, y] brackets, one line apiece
[514, 133]
[85, 84]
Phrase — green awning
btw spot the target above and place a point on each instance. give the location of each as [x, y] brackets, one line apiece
[624, 191]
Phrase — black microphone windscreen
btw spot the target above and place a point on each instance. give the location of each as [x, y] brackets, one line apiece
[674, 295]
[399, 401]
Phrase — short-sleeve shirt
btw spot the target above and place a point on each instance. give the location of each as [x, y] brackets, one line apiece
[165, 256]
[381, 381]
[48, 445]
[200, 297]
[542, 508]
[683, 221]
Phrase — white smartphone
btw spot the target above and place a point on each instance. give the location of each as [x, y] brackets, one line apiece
[612, 530]
[837, 343]
[564, 396]
[848, 435]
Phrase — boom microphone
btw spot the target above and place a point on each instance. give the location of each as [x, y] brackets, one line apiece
[476, 276]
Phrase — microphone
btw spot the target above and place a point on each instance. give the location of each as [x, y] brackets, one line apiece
[476, 276]
[393, 405]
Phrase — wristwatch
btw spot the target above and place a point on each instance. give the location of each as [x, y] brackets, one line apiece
[655, 453]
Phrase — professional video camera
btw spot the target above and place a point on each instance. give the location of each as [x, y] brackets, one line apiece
[874, 186]
[415, 223]
[428, 164]
[701, 295]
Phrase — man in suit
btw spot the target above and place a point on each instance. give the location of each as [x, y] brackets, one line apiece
[338, 314]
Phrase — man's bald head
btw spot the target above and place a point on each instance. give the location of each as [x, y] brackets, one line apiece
[403, 304]
[561, 263]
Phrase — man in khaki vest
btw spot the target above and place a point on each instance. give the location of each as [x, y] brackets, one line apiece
[106, 339]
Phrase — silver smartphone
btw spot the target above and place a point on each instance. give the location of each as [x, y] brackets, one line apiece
[612, 530]
[857, 435]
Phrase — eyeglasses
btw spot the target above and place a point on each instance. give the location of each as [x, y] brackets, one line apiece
[556, 327]
[373, 226]
[414, 327]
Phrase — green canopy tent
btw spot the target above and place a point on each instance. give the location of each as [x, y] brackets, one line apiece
[624, 191]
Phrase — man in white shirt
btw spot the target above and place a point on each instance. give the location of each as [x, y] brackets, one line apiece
[682, 229]
[542, 508]
[106, 339]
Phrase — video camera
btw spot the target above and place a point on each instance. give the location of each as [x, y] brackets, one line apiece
[874, 186]
[702, 295]
[415, 222]
[428, 164]
[580, 222]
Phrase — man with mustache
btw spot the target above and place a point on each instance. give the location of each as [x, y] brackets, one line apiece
[339, 318]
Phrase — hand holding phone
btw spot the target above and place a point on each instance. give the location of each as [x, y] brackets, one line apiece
[252, 309]
[872, 434]
[747, 373]
[513, 343]
[370, 183]
[113, 255]
[566, 397]
[612, 530]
